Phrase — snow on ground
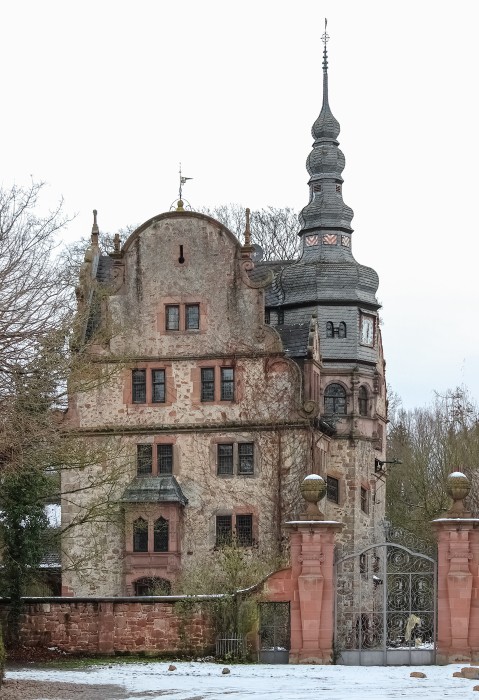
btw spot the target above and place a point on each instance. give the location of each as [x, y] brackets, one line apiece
[205, 681]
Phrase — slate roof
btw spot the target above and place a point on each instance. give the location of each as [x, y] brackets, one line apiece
[154, 489]
[295, 339]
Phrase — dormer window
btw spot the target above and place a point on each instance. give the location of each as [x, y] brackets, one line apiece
[338, 189]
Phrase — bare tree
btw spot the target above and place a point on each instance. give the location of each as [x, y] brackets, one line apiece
[274, 229]
[32, 302]
[431, 443]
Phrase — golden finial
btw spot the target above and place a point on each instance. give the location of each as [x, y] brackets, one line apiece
[179, 205]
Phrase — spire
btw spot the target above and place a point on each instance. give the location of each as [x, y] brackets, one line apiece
[326, 210]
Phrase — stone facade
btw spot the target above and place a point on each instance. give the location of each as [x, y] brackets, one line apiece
[218, 386]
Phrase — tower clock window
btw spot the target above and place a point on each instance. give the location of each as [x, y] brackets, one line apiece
[335, 400]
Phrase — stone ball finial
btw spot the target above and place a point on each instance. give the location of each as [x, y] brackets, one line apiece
[313, 489]
[458, 487]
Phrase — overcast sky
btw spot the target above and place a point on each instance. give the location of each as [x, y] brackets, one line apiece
[103, 99]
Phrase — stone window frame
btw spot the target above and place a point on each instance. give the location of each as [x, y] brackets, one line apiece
[236, 458]
[232, 517]
[364, 499]
[217, 365]
[183, 327]
[345, 397]
[149, 584]
[363, 400]
[166, 441]
[331, 487]
[141, 535]
[148, 368]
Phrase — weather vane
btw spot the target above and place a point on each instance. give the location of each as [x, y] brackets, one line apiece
[183, 179]
[325, 37]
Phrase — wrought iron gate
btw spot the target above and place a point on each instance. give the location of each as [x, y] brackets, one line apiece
[274, 633]
[385, 607]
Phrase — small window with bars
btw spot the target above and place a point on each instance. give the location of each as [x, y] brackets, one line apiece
[164, 456]
[224, 529]
[158, 384]
[224, 460]
[172, 317]
[332, 489]
[139, 386]
[144, 462]
[208, 384]
[192, 317]
[227, 384]
[244, 530]
[246, 458]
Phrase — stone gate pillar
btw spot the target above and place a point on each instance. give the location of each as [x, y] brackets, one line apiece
[457, 578]
[312, 574]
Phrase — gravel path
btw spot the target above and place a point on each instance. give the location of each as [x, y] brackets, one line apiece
[46, 690]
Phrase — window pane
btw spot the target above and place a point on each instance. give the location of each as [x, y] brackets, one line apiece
[208, 384]
[335, 399]
[165, 459]
[332, 492]
[140, 535]
[364, 500]
[139, 386]
[244, 530]
[227, 384]
[224, 529]
[160, 535]
[192, 317]
[172, 318]
[143, 459]
[246, 458]
[363, 401]
[158, 385]
[225, 459]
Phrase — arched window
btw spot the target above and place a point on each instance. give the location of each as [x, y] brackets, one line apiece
[329, 330]
[140, 535]
[160, 535]
[335, 399]
[152, 585]
[342, 330]
[363, 401]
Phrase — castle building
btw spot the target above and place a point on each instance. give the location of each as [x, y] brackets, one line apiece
[221, 384]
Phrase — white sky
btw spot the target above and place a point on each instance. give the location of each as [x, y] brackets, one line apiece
[103, 99]
[289, 682]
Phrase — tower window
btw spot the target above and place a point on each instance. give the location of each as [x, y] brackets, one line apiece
[335, 400]
[329, 330]
[280, 317]
[363, 401]
[267, 317]
[338, 189]
[364, 500]
[333, 331]
[332, 492]
[342, 330]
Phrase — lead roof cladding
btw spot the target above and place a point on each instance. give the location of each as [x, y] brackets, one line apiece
[326, 272]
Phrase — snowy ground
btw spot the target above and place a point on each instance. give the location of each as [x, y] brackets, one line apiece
[205, 681]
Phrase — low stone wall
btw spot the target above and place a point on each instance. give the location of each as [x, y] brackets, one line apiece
[156, 625]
